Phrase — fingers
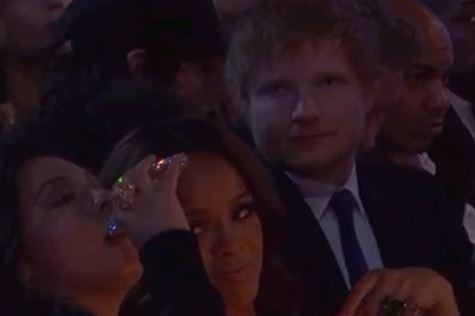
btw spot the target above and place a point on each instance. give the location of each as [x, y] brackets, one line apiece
[410, 290]
[154, 206]
[165, 173]
[140, 175]
[359, 292]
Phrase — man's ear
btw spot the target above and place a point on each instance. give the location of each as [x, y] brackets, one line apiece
[136, 61]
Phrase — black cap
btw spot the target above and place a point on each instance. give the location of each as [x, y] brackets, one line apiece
[181, 29]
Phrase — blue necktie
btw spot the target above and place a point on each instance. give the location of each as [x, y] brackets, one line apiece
[343, 204]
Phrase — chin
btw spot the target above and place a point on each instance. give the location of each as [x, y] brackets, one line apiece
[239, 295]
[308, 163]
[421, 146]
[126, 277]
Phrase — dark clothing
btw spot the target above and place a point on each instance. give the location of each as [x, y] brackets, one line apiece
[410, 218]
[175, 284]
[453, 153]
[176, 277]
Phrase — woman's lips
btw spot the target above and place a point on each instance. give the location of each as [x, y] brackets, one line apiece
[237, 271]
[113, 239]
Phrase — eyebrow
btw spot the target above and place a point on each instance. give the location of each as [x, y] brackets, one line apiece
[45, 184]
[245, 193]
[423, 67]
[196, 213]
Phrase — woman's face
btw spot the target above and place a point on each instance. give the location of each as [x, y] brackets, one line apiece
[222, 214]
[28, 24]
[66, 251]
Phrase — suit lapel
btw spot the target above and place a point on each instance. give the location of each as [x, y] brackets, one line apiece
[307, 250]
[391, 216]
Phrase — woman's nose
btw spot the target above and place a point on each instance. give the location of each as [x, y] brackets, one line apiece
[102, 200]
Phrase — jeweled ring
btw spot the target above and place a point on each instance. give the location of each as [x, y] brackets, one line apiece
[161, 165]
[124, 192]
[158, 167]
[113, 227]
[412, 309]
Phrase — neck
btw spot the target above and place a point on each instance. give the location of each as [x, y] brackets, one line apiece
[22, 85]
[102, 305]
[241, 310]
[406, 159]
[335, 175]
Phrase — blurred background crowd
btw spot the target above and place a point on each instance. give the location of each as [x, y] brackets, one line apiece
[237, 157]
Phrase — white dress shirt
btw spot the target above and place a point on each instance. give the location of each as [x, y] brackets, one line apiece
[463, 108]
[318, 195]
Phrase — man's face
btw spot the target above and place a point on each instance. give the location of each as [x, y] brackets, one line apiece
[462, 30]
[200, 83]
[307, 109]
[419, 113]
[28, 24]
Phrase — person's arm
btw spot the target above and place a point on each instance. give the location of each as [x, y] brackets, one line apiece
[176, 278]
[156, 224]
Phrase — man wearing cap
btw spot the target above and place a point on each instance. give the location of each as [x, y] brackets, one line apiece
[174, 45]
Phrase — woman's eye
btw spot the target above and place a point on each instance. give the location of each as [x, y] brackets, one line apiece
[244, 213]
[64, 200]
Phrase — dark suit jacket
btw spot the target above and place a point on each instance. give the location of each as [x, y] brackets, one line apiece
[411, 220]
[453, 152]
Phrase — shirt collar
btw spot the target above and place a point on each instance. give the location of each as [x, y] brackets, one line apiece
[319, 194]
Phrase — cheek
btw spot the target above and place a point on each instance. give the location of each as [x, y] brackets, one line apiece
[255, 241]
[408, 110]
[64, 240]
[348, 113]
[270, 122]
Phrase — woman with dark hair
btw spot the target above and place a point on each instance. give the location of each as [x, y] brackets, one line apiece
[62, 251]
[230, 206]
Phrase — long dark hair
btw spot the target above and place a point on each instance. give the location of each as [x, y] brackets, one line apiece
[17, 146]
[200, 135]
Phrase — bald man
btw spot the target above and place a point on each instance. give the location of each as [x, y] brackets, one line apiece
[454, 150]
[416, 123]
[459, 16]
[418, 117]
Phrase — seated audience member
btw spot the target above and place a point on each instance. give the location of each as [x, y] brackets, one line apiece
[453, 151]
[171, 44]
[63, 251]
[397, 46]
[230, 206]
[418, 117]
[459, 17]
[236, 183]
[26, 36]
[303, 74]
